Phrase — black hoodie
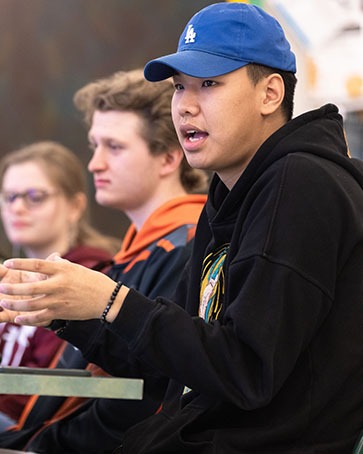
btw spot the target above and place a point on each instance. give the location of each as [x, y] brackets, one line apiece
[280, 369]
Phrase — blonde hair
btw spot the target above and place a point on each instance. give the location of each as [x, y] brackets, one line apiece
[68, 174]
[129, 91]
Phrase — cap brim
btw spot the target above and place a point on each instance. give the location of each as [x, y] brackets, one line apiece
[192, 63]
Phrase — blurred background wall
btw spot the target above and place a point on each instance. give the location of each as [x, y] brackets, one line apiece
[51, 48]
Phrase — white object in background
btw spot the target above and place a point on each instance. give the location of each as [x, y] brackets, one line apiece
[327, 38]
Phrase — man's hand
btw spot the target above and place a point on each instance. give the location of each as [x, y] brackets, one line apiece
[65, 291]
[12, 276]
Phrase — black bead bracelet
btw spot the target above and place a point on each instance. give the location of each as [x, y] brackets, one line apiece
[110, 302]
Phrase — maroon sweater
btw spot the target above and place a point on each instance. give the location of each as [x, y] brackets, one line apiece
[31, 346]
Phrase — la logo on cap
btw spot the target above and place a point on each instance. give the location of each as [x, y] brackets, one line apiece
[190, 35]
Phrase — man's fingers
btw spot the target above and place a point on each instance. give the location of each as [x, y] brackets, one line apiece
[35, 265]
[55, 256]
[27, 288]
[39, 318]
[26, 305]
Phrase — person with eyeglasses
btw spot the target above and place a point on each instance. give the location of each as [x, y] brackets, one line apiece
[32, 197]
[43, 209]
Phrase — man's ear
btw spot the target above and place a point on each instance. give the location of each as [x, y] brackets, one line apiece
[273, 92]
[171, 161]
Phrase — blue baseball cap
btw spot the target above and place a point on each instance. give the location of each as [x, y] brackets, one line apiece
[222, 38]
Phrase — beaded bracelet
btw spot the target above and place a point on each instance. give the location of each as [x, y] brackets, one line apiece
[110, 302]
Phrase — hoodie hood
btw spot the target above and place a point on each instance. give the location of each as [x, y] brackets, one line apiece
[167, 218]
[319, 132]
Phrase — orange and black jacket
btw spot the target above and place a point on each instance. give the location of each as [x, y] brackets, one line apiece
[150, 261]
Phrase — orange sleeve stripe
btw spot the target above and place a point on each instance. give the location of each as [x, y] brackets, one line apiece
[165, 244]
[142, 256]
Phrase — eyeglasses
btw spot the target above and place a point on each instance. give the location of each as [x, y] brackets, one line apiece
[33, 198]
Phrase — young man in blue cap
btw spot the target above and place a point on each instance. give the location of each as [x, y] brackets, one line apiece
[263, 343]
